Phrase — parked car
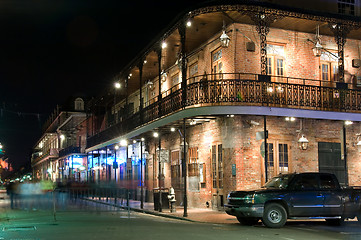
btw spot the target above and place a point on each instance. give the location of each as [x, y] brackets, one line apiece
[297, 195]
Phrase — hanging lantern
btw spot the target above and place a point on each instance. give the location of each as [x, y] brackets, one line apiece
[224, 39]
[303, 143]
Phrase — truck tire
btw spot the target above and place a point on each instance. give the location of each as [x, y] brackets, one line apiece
[274, 215]
[248, 221]
[359, 216]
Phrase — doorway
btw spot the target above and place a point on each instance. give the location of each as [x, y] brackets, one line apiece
[329, 160]
[217, 177]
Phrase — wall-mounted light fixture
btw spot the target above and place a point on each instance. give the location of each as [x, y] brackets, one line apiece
[164, 45]
[303, 142]
[358, 141]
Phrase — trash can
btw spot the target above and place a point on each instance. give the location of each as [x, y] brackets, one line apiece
[164, 197]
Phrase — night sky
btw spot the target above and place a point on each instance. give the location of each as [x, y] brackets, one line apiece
[53, 49]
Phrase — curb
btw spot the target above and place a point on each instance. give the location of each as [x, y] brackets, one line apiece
[143, 211]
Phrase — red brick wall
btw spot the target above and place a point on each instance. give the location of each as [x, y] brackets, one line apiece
[238, 138]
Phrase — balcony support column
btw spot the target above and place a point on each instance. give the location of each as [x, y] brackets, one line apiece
[159, 52]
[140, 67]
[126, 99]
[182, 33]
[340, 31]
[263, 21]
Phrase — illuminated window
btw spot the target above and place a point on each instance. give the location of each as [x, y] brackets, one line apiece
[193, 162]
[329, 66]
[217, 65]
[278, 159]
[193, 70]
[275, 60]
[217, 166]
[175, 170]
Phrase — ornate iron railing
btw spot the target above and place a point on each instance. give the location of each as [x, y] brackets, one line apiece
[69, 150]
[242, 89]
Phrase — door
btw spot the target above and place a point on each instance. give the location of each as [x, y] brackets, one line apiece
[306, 199]
[217, 177]
[329, 160]
[332, 193]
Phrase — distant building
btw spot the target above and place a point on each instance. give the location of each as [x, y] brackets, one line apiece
[60, 145]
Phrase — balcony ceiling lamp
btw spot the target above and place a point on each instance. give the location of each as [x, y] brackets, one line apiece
[224, 38]
[317, 49]
[303, 142]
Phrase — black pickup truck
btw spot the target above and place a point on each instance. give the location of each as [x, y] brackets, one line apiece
[297, 195]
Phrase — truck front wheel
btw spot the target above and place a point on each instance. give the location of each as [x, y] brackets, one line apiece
[274, 215]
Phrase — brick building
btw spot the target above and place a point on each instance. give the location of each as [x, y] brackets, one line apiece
[281, 93]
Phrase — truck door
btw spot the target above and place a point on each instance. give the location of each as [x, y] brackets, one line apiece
[305, 198]
[332, 195]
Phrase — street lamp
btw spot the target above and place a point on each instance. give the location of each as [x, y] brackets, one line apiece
[117, 85]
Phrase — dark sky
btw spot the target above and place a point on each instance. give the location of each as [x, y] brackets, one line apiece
[53, 49]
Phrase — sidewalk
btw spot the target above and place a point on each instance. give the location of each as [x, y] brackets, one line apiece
[206, 215]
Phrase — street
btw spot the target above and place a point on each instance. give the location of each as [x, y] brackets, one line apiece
[117, 225]
[110, 223]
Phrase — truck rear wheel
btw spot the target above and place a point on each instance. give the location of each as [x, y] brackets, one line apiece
[274, 215]
[248, 221]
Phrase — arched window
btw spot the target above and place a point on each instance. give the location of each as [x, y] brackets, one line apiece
[79, 104]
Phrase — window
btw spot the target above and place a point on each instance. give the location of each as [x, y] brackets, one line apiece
[327, 182]
[328, 67]
[217, 65]
[202, 174]
[193, 70]
[275, 60]
[79, 104]
[175, 79]
[175, 170]
[278, 159]
[307, 182]
[283, 158]
[346, 7]
[193, 162]
[217, 166]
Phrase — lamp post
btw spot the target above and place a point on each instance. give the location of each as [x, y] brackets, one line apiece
[344, 148]
[115, 164]
[156, 135]
[141, 173]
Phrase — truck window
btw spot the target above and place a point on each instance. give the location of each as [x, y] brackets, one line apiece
[327, 182]
[306, 182]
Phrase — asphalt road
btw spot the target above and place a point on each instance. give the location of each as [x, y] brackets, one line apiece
[118, 224]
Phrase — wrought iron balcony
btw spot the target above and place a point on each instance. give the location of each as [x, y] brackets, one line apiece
[243, 90]
[69, 150]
